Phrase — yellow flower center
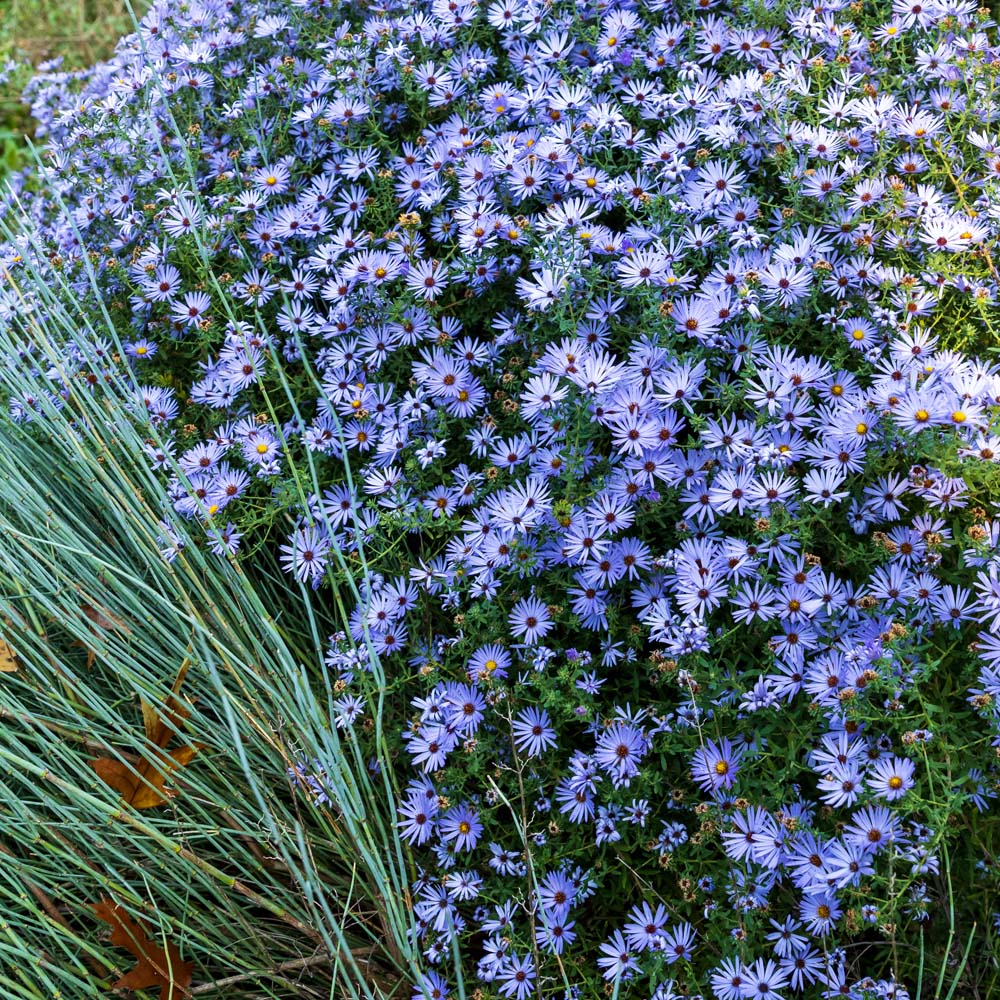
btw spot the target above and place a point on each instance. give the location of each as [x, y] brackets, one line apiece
[921, 416]
[895, 782]
[489, 666]
[861, 428]
[858, 333]
[141, 349]
[464, 826]
[958, 417]
[271, 181]
[721, 767]
[823, 911]
[836, 390]
[262, 449]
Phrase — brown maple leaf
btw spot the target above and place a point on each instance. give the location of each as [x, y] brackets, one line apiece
[142, 784]
[155, 965]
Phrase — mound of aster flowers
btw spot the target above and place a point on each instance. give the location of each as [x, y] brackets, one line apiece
[625, 357]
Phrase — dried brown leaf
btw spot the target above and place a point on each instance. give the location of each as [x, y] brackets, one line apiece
[8, 659]
[104, 619]
[142, 784]
[155, 965]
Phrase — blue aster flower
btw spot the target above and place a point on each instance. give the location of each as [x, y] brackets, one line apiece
[716, 765]
[461, 824]
[619, 751]
[533, 732]
[679, 944]
[617, 960]
[516, 977]
[530, 620]
[306, 554]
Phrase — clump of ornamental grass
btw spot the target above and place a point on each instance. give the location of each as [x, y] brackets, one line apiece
[153, 716]
[610, 387]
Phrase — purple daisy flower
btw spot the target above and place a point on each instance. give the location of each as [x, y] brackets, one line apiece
[556, 893]
[305, 555]
[645, 927]
[716, 765]
[819, 912]
[873, 828]
[678, 944]
[619, 751]
[533, 732]
[517, 977]
[530, 620]
[489, 661]
[617, 959]
[461, 825]
[417, 823]
[891, 778]
[764, 979]
[432, 986]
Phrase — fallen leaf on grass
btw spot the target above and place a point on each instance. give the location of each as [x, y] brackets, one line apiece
[155, 965]
[142, 784]
[103, 620]
[8, 659]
